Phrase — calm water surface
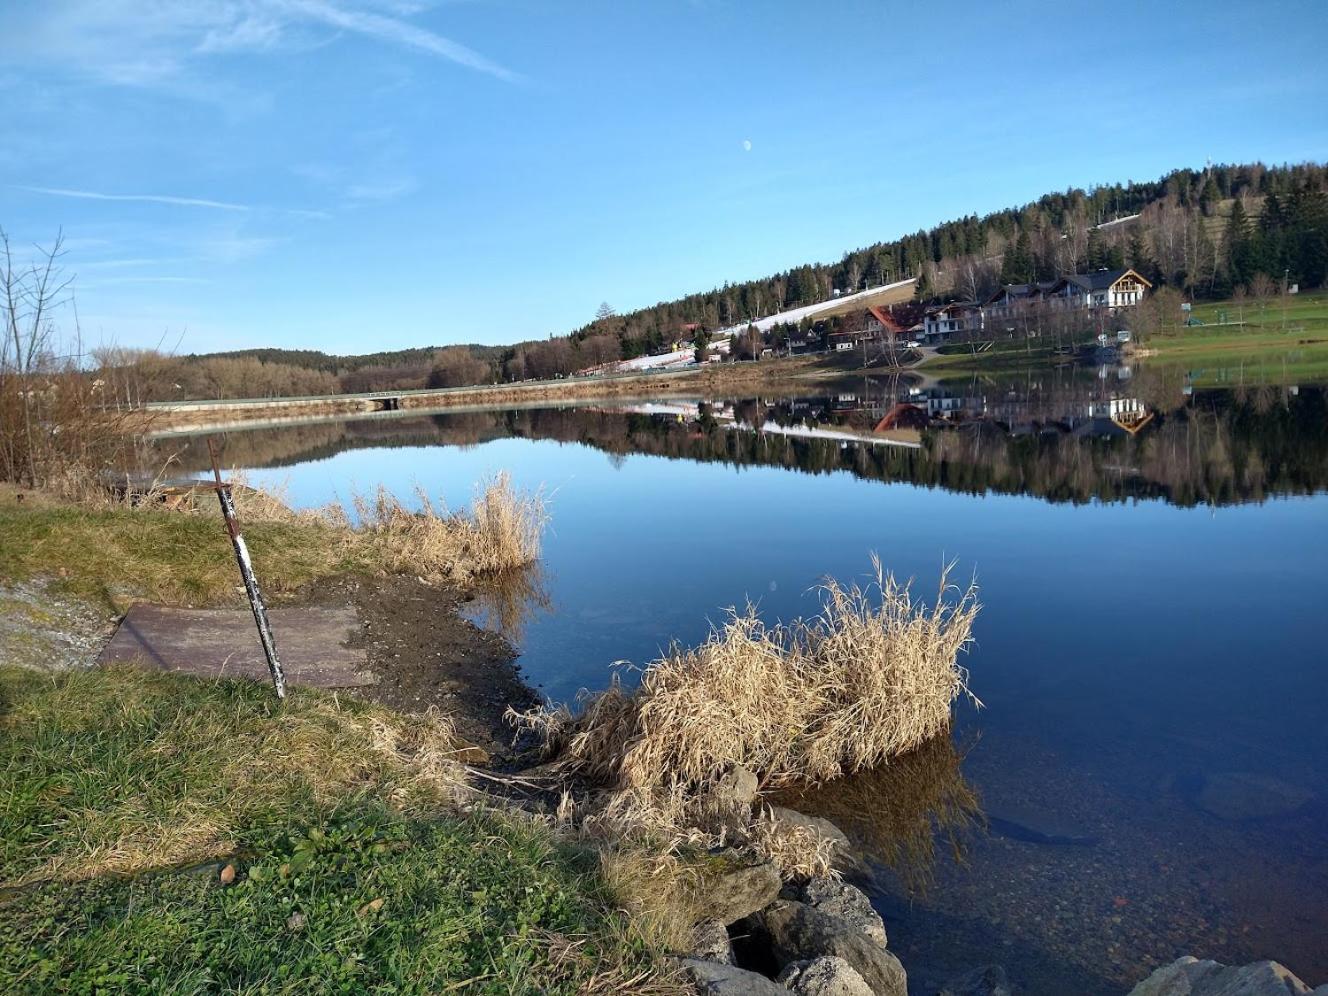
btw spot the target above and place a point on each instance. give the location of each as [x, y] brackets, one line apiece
[1152, 752]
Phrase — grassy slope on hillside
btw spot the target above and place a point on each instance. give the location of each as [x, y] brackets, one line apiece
[354, 873]
[1260, 340]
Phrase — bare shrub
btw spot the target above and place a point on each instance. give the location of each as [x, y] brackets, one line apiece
[54, 431]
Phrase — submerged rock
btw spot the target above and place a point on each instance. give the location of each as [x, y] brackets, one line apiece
[710, 942]
[824, 976]
[1191, 977]
[1243, 795]
[989, 980]
[846, 902]
[714, 979]
[794, 931]
[733, 893]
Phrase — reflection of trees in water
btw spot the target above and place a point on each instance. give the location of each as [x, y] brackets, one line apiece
[1217, 447]
[296, 443]
[896, 814]
[507, 601]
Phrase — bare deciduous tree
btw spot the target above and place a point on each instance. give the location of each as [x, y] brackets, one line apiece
[30, 295]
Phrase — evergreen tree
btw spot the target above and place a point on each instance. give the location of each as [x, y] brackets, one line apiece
[1140, 258]
[1017, 264]
[1097, 250]
[1240, 247]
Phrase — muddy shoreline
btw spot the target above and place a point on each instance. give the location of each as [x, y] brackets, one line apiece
[426, 654]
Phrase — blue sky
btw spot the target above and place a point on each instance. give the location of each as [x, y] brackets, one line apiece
[354, 175]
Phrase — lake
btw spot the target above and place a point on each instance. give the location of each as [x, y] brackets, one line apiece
[1151, 757]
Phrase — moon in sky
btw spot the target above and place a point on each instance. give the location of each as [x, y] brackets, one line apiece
[746, 145]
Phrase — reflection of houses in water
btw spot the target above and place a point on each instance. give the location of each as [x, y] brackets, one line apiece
[1129, 414]
[940, 403]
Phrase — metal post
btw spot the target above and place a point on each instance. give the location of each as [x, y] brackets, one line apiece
[247, 573]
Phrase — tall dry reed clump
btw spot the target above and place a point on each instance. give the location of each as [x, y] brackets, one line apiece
[501, 531]
[872, 676]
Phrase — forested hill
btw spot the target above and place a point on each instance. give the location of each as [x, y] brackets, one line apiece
[1180, 237]
[1205, 232]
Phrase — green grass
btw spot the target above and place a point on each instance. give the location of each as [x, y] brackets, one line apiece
[369, 904]
[355, 872]
[1002, 356]
[112, 555]
[1259, 341]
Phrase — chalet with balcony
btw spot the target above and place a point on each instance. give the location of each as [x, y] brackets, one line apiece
[1109, 289]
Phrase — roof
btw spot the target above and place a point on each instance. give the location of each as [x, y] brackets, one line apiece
[952, 306]
[1022, 290]
[1102, 279]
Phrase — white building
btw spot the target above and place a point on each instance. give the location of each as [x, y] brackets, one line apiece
[1109, 289]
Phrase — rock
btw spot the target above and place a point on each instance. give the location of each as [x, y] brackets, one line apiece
[989, 980]
[1241, 795]
[824, 976]
[715, 979]
[1190, 977]
[735, 892]
[846, 902]
[822, 826]
[710, 942]
[794, 931]
[737, 788]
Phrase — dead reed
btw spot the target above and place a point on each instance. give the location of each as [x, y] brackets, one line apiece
[501, 531]
[870, 677]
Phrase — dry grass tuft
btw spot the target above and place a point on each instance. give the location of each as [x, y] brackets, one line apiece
[872, 676]
[501, 531]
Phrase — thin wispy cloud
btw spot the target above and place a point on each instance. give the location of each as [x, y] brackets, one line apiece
[156, 43]
[94, 195]
[397, 31]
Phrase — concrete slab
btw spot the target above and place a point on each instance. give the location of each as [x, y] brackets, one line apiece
[223, 643]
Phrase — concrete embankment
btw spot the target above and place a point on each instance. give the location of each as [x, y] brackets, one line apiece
[181, 415]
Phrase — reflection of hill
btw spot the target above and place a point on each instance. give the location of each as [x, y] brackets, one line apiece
[1215, 447]
[294, 443]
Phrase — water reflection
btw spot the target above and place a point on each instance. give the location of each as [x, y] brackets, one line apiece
[508, 601]
[1062, 436]
[898, 813]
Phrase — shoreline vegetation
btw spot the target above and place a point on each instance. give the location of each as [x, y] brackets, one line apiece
[161, 827]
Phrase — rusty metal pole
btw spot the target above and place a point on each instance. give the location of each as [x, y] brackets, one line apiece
[247, 572]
